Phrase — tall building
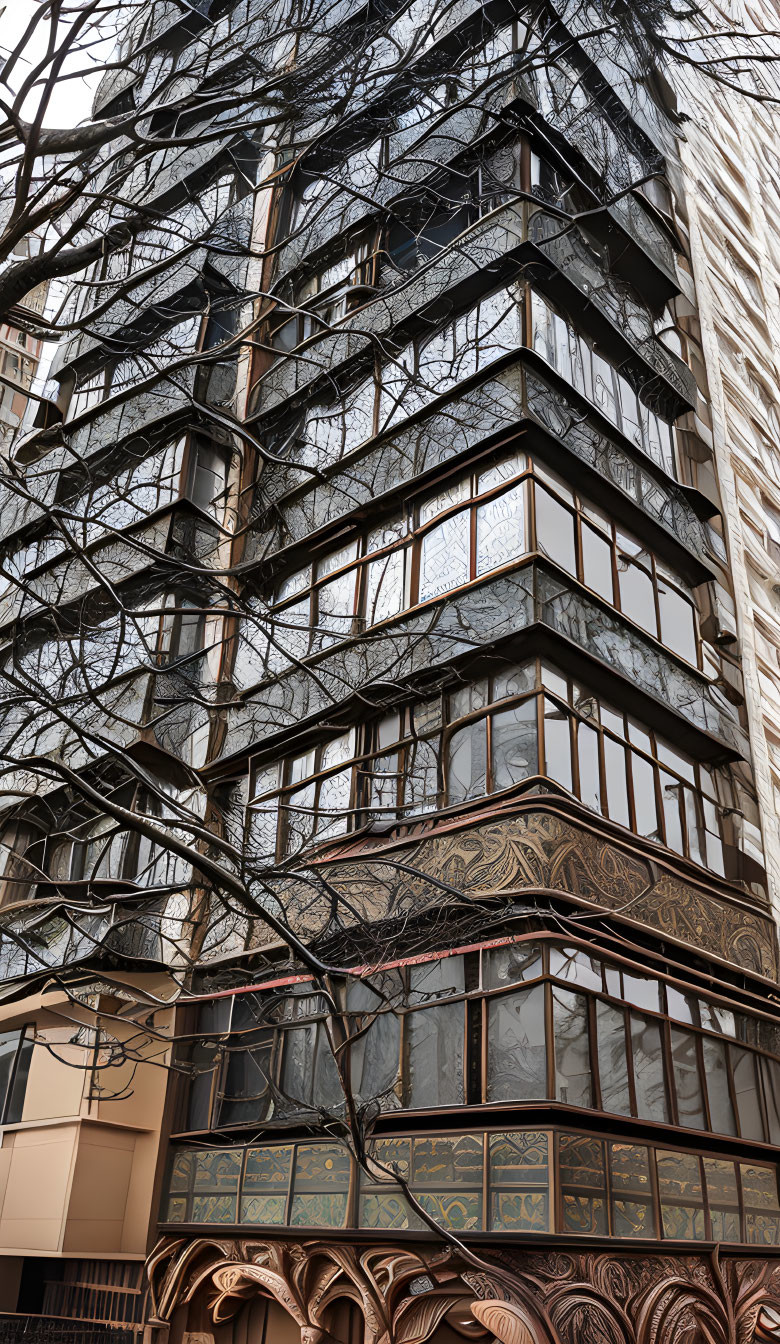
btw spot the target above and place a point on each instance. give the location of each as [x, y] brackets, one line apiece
[391, 705]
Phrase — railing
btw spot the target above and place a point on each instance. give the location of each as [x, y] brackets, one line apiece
[58, 1330]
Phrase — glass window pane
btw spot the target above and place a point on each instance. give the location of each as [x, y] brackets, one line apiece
[320, 1185]
[636, 594]
[648, 1061]
[717, 1076]
[504, 966]
[679, 1185]
[557, 744]
[583, 1184]
[555, 530]
[519, 1164]
[467, 763]
[434, 1056]
[385, 586]
[265, 1184]
[615, 772]
[9, 1041]
[671, 790]
[645, 807]
[571, 963]
[604, 387]
[444, 556]
[596, 562]
[15, 1106]
[517, 1057]
[247, 1078]
[745, 1075]
[447, 1179]
[515, 754]
[678, 626]
[632, 1202]
[573, 1083]
[770, 1076]
[723, 1199]
[690, 1106]
[501, 529]
[762, 1211]
[588, 751]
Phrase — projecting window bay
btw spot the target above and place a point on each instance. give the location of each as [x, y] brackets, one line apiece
[478, 523]
[520, 1022]
[500, 324]
[488, 736]
[482, 1181]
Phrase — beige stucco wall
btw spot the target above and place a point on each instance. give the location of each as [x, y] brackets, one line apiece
[77, 1174]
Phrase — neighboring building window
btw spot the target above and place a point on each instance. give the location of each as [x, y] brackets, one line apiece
[16, 1049]
[486, 737]
[523, 1022]
[497, 1181]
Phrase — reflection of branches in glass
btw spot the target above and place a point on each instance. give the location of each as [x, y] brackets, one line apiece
[246, 556]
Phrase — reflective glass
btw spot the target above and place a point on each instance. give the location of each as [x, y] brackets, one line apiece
[516, 1055]
[648, 1061]
[685, 1065]
[555, 530]
[467, 762]
[514, 747]
[573, 1084]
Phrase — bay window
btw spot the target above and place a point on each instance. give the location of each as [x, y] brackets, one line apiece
[487, 737]
[518, 1022]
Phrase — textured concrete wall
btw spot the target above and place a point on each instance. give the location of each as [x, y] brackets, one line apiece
[730, 157]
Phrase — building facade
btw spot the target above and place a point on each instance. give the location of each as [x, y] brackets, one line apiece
[389, 909]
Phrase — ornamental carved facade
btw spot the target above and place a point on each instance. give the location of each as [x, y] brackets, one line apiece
[413, 1295]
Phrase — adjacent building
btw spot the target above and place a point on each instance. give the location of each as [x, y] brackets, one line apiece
[389, 945]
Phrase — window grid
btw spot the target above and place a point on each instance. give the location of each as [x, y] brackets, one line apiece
[671, 1195]
[443, 752]
[483, 521]
[488, 1050]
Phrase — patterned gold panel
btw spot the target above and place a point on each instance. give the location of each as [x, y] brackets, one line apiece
[539, 847]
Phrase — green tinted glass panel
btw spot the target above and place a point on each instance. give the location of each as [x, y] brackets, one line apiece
[462, 1211]
[583, 1214]
[520, 1211]
[683, 1222]
[387, 1210]
[759, 1186]
[319, 1210]
[181, 1170]
[263, 1209]
[632, 1218]
[319, 1165]
[214, 1209]
[176, 1212]
[725, 1224]
[218, 1170]
[267, 1170]
[520, 1158]
[762, 1229]
[629, 1166]
[679, 1176]
[395, 1154]
[721, 1179]
[581, 1161]
[448, 1160]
